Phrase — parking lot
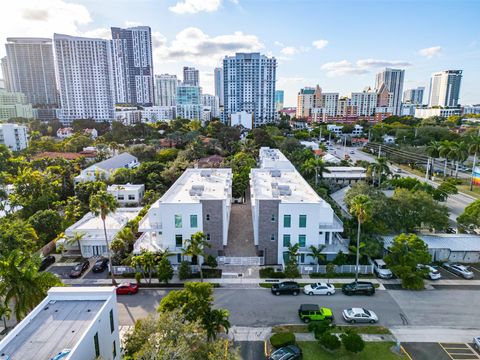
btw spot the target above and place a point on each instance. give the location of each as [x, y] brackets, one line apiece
[62, 269]
[441, 351]
[448, 275]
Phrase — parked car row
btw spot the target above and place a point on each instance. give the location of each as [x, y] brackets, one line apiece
[314, 312]
[293, 288]
[460, 270]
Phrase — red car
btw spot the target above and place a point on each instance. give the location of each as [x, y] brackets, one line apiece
[127, 289]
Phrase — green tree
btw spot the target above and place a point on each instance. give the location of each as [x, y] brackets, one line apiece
[103, 204]
[470, 218]
[314, 167]
[164, 270]
[195, 247]
[22, 284]
[361, 208]
[147, 262]
[17, 234]
[352, 341]
[379, 168]
[75, 239]
[291, 265]
[47, 224]
[184, 271]
[474, 148]
[317, 253]
[85, 190]
[406, 252]
[329, 341]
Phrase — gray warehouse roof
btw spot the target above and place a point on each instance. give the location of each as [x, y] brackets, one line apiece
[116, 162]
[453, 242]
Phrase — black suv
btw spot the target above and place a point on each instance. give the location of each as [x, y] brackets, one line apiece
[286, 287]
[359, 288]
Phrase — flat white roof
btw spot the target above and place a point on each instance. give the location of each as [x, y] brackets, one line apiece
[127, 187]
[453, 242]
[345, 172]
[199, 184]
[288, 186]
[273, 158]
[59, 322]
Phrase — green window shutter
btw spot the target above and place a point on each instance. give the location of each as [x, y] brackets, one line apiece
[287, 221]
[193, 221]
[178, 221]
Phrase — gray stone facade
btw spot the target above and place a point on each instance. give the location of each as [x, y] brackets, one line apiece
[267, 228]
[214, 226]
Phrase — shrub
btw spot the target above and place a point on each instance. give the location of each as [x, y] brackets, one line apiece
[353, 342]
[210, 261]
[138, 277]
[291, 270]
[320, 327]
[184, 271]
[282, 339]
[270, 272]
[329, 341]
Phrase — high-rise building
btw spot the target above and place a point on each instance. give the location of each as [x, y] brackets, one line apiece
[365, 102]
[414, 96]
[188, 99]
[6, 73]
[393, 80]
[330, 103]
[165, 89]
[249, 85]
[84, 75]
[305, 102]
[212, 103]
[133, 65]
[218, 79]
[191, 76]
[14, 105]
[445, 88]
[31, 70]
[279, 99]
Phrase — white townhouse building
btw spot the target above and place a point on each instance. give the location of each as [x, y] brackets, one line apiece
[273, 159]
[81, 322]
[91, 227]
[14, 136]
[286, 210]
[200, 200]
[104, 169]
[127, 194]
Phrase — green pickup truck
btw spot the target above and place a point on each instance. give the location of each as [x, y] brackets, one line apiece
[313, 312]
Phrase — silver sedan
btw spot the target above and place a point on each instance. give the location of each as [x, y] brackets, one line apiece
[354, 315]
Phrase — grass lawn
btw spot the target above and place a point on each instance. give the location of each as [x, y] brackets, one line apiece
[366, 329]
[373, 351]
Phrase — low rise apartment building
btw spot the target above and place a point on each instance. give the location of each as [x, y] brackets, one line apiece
[286, 210]
[14, 136]
[200, 200]
[105, 169]
[127, 194]
[80, 322]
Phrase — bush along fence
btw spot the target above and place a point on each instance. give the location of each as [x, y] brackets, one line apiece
[337, 269]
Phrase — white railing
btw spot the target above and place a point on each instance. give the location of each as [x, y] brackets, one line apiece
[246, 260]
[339, 269]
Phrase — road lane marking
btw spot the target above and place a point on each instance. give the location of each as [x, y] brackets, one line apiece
[459, 351]
[405, 352]
[451, 272]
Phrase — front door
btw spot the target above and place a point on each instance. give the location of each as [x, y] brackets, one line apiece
[97, 250]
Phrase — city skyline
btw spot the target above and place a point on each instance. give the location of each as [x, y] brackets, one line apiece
[340, 59]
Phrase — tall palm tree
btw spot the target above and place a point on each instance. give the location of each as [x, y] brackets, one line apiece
[380, 167]
[433, 150]
[215, 321]
[103, 204]
[195, 246]
[317, 253]
[22, 283]
[361, 208]
[316, 167]
[474, 149]
[447, 150]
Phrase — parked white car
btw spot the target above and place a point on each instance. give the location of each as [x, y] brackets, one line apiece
[460, 270]
[381, 269]
[354, 315]
[433, 273]
[319, 289]
[476, 342]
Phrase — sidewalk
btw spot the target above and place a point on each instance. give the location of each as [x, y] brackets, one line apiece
[433, 334]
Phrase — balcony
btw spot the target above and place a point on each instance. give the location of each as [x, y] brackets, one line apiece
[336, 225]
[147, 225]
[149, 241]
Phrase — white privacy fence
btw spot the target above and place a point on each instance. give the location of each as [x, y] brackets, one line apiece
[245, 260]
[338, 269]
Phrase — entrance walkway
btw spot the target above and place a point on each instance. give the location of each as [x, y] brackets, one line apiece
[240, 230]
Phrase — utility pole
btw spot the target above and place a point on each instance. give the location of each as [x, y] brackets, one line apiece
[380, 151]
[427, 170]
[345, 147]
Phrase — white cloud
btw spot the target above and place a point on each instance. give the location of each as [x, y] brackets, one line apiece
[195, 6]
[279, 43]
[130, 23]
[101, 33]
[289, 50]
[364, 66]
[320, 44]
[193, 45]
[41, 18]
[431, 51]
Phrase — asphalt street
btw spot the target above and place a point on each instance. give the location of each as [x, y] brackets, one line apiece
[258, 307]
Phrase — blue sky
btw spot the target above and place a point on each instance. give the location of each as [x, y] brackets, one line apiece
[337, 44]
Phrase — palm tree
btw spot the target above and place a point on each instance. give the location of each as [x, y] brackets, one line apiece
[195, 246]
[433, 150]
[317, 253]
[361, 207]
[5, 314]
[474, 149]
[461, 151]
[447, 150]
[380, 167]
[103, 204]
[214, 321]
[249, 146]
[22, 283]
[316, 167]
[77, 236]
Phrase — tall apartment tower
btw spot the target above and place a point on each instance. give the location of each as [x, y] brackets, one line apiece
[249, 85]
[31, 70]
[191, 76]
[445, 88]
[189, 102]
[133, 65]
[5, 73]
[279, 99]
[84, 75]
[414, 96]
[165, 89]
[218, 79]
[305, 102]
[393, 80]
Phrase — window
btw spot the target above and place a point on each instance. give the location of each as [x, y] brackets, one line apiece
[286, 240]
[207, 217]
[120, 197]
[193, 221]
[272, 218]
[272, 237]
[302, 221]
[302, 239]
[112, 324]
[178, 240]
[178, 221]
[131, 197]
[97, 345]
[327, 238]
[207, 236]
[114, 349]
[287, 221]
[179, 258]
